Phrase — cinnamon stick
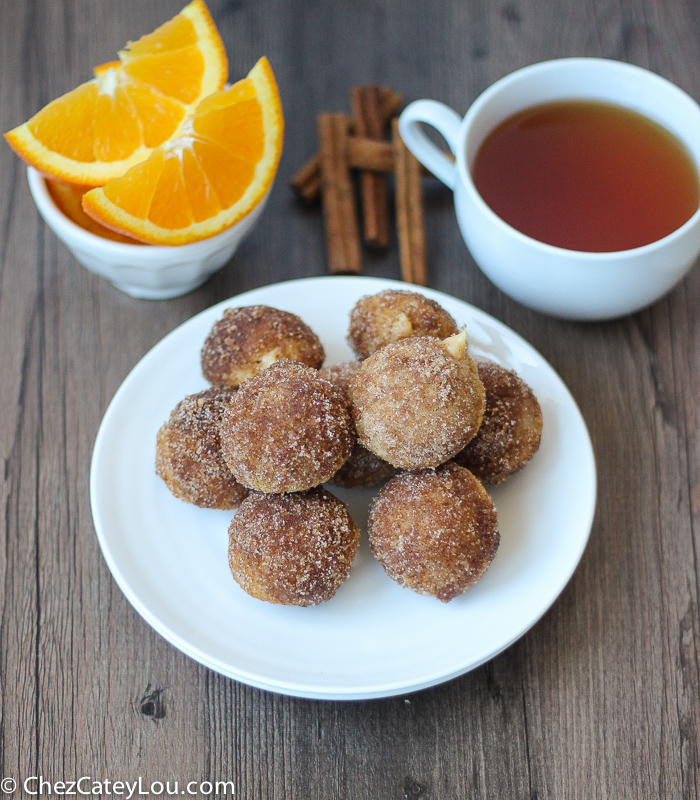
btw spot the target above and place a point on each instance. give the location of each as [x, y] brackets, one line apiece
[389, 103]
[307, 181]
[342, 236]
[371, 155]
[409, 212]
[362, 154]
[366, 116]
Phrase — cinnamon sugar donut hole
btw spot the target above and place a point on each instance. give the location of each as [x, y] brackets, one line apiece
[188, 452]
[434, 531]
[247, 340]
[511, 430]
[417, 402]
[293, 549]
[394, 314]
[286, 430]
[363, 468]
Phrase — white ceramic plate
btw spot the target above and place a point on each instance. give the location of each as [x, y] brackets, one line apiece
[373, 639]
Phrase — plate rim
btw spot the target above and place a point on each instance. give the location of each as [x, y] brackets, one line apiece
[293, 687]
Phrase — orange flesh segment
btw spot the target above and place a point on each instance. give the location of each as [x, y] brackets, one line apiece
[237, 127]
[134, 191]
[228, 175]
[159, 115]
[170, 206]
[175, 34]
[198, 184]
[116, 128]
[203, 200]
[176, 74]
[98, 127]
[66, 125]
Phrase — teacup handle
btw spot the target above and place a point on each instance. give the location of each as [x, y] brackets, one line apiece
[445, 121]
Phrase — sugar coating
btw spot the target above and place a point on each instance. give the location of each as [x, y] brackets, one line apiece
[188, 452]
[414, 405]
[247, 340]
[363, 468]
[434, 531]
[511, 430]
[342, 374]
[286, 430]
[379, 319]
[293, 549]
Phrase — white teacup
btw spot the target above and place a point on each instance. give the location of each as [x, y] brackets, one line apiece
[566, 283]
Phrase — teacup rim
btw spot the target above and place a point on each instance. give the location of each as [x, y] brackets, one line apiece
[468, 185]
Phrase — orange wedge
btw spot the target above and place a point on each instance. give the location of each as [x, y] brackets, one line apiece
[206, 179]
[105, 126]
[68, 198]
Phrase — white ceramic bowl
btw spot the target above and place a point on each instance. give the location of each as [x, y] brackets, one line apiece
[564, 283]
[153, 272]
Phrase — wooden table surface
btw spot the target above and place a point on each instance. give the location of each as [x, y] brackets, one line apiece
[599, 700]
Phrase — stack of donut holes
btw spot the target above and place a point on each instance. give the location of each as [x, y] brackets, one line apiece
[414, 408]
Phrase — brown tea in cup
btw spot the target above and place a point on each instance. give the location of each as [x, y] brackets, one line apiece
[587, 176]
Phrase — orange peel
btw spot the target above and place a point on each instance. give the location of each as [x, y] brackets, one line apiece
[100, 129]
